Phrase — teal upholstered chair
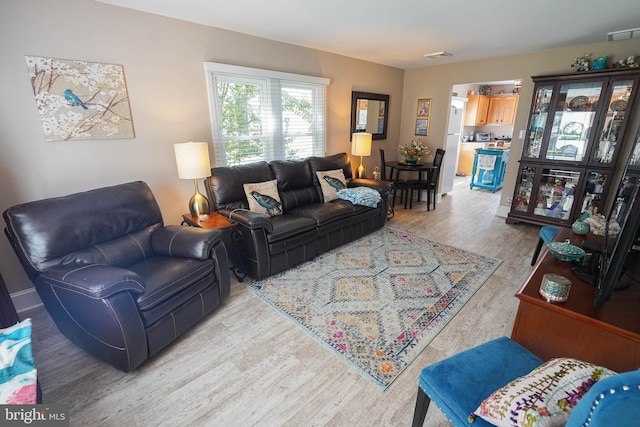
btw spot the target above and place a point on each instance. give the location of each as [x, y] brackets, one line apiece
[611, 402]
[458, 384]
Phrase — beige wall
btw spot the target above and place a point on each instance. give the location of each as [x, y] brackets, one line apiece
[437, 82]
[162, 59]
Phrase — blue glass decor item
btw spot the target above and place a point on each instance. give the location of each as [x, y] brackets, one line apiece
[599, 63]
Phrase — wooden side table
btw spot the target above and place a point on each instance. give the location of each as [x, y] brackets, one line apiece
[220, 222]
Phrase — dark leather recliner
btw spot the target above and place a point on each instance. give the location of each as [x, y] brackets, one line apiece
[115, 280]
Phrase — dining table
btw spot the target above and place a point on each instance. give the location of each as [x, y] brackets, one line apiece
[398, 166]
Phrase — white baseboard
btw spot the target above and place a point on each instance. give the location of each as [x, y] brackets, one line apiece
[503, 211]
[26, 300]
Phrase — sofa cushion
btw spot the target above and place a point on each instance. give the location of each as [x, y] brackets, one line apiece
[324, 213]
[263, 197]
[292, 174]
[330, 183]
[288, 225]
[291, 199]
[295, 183]
[545, 396]
[225, 185]
[326, 163]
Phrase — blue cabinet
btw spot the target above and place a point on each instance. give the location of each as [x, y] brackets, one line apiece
[489, 166]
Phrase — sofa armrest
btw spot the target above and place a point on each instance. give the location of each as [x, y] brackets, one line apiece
[381, 186]
[92, 280]
[188, 242]
[249, 219]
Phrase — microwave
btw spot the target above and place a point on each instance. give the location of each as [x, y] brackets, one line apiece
[483, 137]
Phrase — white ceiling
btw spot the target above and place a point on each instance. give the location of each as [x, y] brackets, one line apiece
[399, 33]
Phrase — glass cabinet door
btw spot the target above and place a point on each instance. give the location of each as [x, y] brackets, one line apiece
[634, 159]
[574, 116]
[538, 120]
[623, 202]
[524, 188]
[596, 185]
[556, 191]
[616, 106]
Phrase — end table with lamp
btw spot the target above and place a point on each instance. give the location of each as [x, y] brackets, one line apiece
[220, 222]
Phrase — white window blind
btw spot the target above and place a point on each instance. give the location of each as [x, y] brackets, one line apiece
[265, 115]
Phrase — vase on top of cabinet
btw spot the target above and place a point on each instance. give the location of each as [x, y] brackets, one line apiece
[576, 129]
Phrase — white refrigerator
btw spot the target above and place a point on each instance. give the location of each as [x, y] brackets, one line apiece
[452, 144]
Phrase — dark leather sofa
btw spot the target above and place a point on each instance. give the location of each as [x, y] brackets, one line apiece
[116, 281]
[308, 225]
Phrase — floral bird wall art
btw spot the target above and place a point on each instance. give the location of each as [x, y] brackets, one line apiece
[79, 100]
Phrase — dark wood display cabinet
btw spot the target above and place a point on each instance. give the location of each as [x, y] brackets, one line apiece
[576, 128]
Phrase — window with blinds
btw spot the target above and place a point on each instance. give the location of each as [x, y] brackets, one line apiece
[265, 115]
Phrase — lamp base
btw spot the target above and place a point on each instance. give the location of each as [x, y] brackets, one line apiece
[198, 204]
[361, 172]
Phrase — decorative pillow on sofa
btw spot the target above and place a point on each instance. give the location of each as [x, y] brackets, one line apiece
[544, 397]
[18, 375]
[331, 182]
[263, 197]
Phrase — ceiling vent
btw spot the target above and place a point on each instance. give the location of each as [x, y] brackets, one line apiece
[435, 55]
[633, 33]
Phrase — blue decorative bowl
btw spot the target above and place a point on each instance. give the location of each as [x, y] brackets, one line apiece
[565, 251]
[580, 227]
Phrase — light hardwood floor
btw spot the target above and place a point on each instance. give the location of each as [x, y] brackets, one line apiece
[247, 365]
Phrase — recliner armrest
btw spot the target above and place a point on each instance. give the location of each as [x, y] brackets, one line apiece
[249, 219]
[93, 280]
[188, 242]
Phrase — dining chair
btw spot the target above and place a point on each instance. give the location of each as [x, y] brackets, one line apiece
[400, 185]
[430, 183]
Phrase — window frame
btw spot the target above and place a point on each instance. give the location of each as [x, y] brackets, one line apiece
[270, 82]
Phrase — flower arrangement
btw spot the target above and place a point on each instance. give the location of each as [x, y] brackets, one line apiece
[630, 62]
[412, 151]
[582, 63]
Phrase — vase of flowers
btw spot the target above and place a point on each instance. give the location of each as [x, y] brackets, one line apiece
[413, 151]
[582, 63]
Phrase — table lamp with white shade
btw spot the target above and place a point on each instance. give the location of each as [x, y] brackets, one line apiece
[361, 146]
[192, 160]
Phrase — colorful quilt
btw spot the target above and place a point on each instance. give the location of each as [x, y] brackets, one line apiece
[18, 375]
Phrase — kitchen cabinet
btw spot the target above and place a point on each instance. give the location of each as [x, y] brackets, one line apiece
[466, 157]
[476, 111]
[502, 110]
[575, 131]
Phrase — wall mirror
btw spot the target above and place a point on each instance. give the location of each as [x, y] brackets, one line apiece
[370, 113]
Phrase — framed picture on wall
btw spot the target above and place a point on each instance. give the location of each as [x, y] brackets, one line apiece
[424, 107]
[422, 127]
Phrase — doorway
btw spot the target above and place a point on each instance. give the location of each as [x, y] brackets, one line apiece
[460, 149]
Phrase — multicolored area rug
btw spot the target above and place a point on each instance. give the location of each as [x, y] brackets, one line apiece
[379, 301]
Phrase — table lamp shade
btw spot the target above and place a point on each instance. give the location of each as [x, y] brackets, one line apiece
[361, 144]
[192, 159]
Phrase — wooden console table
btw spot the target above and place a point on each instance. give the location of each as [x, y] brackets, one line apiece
[609, 336]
